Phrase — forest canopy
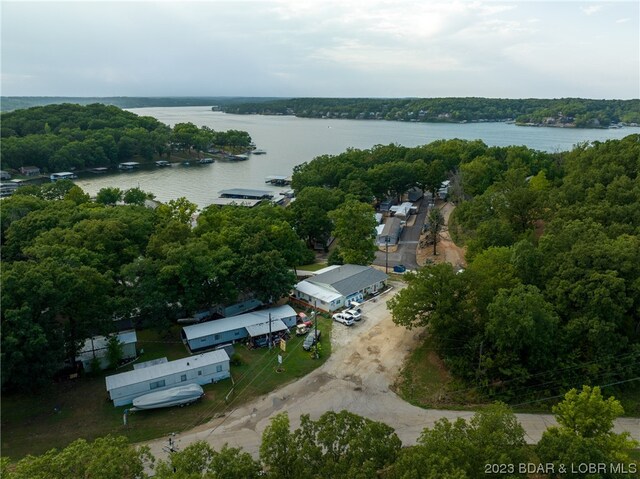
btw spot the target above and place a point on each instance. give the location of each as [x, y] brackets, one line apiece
[578, 112]
[70, 137]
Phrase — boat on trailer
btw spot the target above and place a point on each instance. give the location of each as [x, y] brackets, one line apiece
[178, 396]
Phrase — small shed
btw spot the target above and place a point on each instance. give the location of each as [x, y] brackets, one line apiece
[202, 369]
[97, 347]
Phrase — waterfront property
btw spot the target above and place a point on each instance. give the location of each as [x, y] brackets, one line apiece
[128, 165]
[246, 194]
[63, 175]
[97, 347]
[202, 369]
[245, 326]
[278, 180]
[235, 202]
[30, 170]
[333, 287]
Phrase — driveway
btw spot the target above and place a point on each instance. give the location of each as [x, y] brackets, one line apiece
[406, 252]
[357, 377]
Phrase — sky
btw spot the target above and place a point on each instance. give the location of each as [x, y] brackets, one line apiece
[344, 48]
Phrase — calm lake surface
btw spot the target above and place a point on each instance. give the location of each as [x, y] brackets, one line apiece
[290, 141]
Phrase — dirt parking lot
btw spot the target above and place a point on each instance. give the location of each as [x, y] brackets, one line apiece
[357, 377]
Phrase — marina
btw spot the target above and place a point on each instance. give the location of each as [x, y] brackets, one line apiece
[292, 141]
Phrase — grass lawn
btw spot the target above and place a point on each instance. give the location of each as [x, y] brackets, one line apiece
[33, 424]
[312, 267]
[425, 382]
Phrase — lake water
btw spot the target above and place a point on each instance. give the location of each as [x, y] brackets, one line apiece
[290, 141]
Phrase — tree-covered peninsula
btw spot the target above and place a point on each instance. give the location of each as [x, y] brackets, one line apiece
[72, 137]
[564, 112]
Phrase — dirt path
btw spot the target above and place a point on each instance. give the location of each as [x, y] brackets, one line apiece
[357, 377]
[448, 251]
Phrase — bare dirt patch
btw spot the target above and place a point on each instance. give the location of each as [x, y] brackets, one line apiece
[447, 251]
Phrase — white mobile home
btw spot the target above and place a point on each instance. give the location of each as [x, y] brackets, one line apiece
[202, 369]
[236, 328]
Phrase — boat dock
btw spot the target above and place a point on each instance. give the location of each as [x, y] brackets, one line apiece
[128, 165]
[278, 180]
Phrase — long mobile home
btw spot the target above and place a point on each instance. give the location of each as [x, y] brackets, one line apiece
[202, 369]
[236, 328]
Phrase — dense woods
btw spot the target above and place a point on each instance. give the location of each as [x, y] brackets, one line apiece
[71, 266]
[342, 444]
[550, 299]
[577, 112]
[73, 137]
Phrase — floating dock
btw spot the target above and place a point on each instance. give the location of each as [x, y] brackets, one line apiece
[278, 180]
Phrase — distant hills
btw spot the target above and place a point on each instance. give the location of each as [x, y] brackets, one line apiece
[10, 103]
[559, 112]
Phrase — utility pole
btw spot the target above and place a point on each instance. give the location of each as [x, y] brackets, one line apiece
[386, 259]
[269, 331]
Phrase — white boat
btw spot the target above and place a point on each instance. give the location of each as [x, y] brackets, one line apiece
[178, 396]
[205, 161]
[258, 152]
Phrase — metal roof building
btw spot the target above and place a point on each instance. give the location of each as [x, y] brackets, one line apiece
[202, 369]
[235, 328]
[247, 194]
[333, 287]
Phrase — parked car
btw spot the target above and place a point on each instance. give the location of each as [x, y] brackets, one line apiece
[356, 314]
[347, 320]
[302, 329]
[310, 340]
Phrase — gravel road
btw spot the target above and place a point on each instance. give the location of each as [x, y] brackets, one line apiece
[365, 361]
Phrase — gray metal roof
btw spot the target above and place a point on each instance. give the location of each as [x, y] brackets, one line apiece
[246, 193]
[392, 226]
[349, 278]
[165, 369]
[237, 322]
[263, 328]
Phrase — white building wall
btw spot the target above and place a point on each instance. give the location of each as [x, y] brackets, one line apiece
[209, 373]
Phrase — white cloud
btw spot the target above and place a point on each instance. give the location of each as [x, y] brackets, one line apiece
[591, 9]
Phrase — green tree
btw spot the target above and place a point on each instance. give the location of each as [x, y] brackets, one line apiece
[77, 195]
[521, 336]
[585, 433]
[180, 210]
[135, 196]
[279, 450]
[354, 227]
[199, 460]
[462, 449]
[105, 458]
[343, 444]
[115, 352]
[109, 196]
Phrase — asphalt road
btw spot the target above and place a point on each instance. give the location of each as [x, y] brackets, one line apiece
[406, 252]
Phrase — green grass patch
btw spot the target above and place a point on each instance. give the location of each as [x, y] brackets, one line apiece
[425, 382]
[33, 424]
[312, 267]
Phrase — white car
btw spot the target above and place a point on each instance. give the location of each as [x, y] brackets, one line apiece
[343, 318]
[356, 314]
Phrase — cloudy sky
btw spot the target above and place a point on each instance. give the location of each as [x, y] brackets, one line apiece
[346, 48]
